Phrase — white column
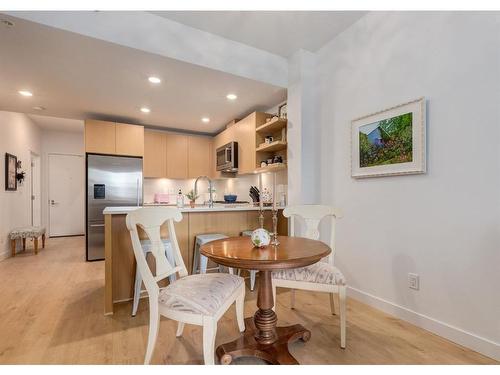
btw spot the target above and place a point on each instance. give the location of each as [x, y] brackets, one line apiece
[303, 130]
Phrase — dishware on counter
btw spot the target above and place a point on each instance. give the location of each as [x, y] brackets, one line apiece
[230, 198]
[161, 198]
[263, 164]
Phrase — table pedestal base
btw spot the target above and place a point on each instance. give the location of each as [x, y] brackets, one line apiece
[276, 353]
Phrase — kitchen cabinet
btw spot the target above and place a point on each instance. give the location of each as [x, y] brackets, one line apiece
[110, 138]
[177, 156]
[199, 156]
[155, 154]
[242, 132]
[245, 136]
[100, 137]
[129, 140]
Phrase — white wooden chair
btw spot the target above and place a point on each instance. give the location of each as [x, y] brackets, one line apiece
[194, 299]
[146, 247]
[322, 276]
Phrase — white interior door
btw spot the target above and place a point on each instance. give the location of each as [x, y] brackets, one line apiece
[36, 206]
[66, 195]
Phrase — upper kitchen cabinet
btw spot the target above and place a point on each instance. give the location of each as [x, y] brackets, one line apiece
[177, 155]
[129, 140]
[155, 154]
[199, 156]
[104, 137]
[100, 137]
[244, 134]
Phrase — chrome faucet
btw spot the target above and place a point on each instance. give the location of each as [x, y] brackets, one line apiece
[210, 188]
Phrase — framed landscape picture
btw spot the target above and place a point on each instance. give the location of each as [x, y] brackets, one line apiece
[10, 172]
[389, 142]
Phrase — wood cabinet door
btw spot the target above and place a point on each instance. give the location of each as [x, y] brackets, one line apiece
[100, 137]
[199, 150]
[155, 154]
[129, 140]
[245, 136]
[177, 156]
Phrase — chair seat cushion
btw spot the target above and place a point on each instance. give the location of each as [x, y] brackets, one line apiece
[26, 232]
[200, 294]
[319, 273]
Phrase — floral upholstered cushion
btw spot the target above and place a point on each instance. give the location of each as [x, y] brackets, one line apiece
[26, 232]
[200, 294]
[320, 273]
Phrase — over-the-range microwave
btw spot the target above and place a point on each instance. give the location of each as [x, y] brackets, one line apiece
[227, 157]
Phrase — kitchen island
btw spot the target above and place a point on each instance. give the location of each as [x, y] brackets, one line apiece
[120, 263]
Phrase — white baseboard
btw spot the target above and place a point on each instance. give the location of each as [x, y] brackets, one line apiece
[457, 335]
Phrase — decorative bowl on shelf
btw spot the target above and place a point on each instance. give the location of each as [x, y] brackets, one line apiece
[230, 198]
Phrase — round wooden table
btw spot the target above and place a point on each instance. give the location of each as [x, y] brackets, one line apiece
[262, 338]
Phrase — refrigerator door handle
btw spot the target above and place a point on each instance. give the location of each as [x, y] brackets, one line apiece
[138, 193]
[96, 225]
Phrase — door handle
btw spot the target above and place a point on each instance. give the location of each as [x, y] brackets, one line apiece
[96, 225]
[53, 202]
[138, 199]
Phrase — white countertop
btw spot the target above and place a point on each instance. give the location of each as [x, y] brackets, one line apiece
[216, 208]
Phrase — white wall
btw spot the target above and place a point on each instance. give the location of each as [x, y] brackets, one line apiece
[444, 225]
[18, 136]
[59, 142]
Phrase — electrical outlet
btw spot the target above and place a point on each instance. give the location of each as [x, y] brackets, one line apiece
[413, 281]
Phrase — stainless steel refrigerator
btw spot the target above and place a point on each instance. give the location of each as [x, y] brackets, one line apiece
[111, 181]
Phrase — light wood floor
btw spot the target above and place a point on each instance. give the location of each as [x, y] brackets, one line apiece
[52, 312]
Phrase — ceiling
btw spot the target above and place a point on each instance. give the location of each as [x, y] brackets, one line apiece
[57, 123]
[78, 77]
[278, 32]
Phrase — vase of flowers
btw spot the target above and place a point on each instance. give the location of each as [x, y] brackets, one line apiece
[192, 198]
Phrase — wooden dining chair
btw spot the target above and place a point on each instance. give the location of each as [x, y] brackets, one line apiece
[322, 276]
[195, 299]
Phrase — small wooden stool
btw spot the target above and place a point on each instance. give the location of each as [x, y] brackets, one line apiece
[26, 232]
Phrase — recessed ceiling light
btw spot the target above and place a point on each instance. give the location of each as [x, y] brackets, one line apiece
[232, 96]
[39, 108]
[25, 93]
[154, 79]
[145, 110]
[205, 119]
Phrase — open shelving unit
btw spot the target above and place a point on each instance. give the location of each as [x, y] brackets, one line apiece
[273, 146]
[272, 126]
[276, 128]
[271, 168]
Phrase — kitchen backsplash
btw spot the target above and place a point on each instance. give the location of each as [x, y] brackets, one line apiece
[238, 185]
